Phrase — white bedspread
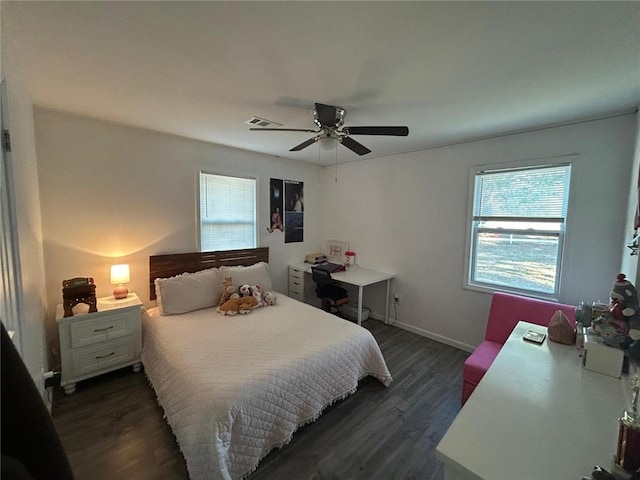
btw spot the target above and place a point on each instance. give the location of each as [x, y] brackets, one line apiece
[234, 388]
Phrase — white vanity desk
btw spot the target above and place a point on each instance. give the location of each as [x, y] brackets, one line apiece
[360, 277]
[536, 414]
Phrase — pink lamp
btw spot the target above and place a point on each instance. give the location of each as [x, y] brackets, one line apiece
[119, 276]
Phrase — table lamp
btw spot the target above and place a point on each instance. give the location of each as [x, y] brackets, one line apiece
[120, 276]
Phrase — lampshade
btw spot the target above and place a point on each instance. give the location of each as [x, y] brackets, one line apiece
[328, 143]
[119, 275]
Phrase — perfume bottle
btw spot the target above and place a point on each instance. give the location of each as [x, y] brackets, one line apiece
[628, 456]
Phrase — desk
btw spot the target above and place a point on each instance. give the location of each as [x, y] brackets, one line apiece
[536, 414]
[357, 276]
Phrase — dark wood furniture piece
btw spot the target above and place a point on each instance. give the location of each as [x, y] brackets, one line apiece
[78, 290]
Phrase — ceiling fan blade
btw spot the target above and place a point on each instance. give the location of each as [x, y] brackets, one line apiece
[395, 131]
[354, 146]
[284, 130]
[304, 144]
[326, 115]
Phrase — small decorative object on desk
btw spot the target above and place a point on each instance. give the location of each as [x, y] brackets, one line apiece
[350, 258]
[534, 337]
[560, 329]
[628, 455]
[335, 250]
[619, 324]
[583, 315]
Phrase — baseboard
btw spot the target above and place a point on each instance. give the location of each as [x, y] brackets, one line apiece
[425, 333]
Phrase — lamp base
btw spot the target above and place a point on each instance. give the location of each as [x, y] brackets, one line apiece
[120, 291]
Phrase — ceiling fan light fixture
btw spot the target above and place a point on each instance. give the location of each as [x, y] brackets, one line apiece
[328, 143]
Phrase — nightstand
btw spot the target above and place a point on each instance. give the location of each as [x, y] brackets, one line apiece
[95, 343]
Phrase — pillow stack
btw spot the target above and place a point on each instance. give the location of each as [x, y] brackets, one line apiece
[194, 291]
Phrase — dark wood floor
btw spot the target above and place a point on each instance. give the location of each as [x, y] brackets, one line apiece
[112, 427]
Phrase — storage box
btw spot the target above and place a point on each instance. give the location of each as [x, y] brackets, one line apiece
[350, 310]
[602, 358]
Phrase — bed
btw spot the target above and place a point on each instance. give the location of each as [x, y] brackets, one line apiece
[235, 387]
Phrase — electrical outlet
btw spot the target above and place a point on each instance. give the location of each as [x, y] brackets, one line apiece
[396, 297]
[51, 379]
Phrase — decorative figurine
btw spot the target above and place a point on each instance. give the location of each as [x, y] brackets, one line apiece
[620, 325]
[628, 455]
[78, 290]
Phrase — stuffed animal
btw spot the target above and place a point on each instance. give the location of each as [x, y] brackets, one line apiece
[620, 325]
[245, 290]
[230, 307]
[624, 302]
[246, 304]
[257, 292]
[228, 291]
[269, 298]
[237, 305]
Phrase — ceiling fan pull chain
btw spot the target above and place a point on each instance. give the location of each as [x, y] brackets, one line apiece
[336, 162]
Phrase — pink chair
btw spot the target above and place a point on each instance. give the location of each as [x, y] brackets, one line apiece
[506, 311]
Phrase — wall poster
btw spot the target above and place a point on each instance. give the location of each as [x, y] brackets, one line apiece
[293, 211]
[276, 194]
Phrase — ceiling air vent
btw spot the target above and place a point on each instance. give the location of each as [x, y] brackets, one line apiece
[262, 122]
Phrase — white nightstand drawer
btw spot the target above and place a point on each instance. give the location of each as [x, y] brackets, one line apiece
[98, 330]
[90, 359]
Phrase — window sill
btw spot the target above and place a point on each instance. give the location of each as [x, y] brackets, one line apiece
[524, 293]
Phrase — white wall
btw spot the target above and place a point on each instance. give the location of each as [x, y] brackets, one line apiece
[113, 193]
[629, 264]
[407, 214]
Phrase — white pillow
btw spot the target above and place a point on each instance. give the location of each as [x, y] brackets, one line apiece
[256, 274]
[188, 292]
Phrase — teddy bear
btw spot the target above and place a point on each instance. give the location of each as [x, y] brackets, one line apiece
[269, 298]
[228, 291]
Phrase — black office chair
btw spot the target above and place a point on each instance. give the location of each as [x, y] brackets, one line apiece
[332, 296]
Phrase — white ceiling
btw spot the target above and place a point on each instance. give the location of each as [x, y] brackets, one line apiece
[450, 71]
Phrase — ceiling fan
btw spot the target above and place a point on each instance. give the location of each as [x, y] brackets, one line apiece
[329, 119]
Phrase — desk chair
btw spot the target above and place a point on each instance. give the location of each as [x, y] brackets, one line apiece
[332, 296]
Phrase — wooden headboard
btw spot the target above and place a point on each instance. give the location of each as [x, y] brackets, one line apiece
[164, 266]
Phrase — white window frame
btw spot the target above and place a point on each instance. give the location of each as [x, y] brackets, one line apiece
[199, 206]
[473, 229]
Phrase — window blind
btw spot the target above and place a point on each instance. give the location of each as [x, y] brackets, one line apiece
[227, 212]
[527, 193]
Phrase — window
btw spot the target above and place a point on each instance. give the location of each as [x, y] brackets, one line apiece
[517, 228]
[227, 212]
